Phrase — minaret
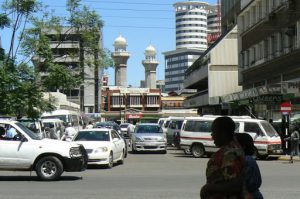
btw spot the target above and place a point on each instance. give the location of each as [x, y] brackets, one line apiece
[120, 57]
[150, 64]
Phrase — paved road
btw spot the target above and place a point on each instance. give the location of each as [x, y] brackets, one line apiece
[144, 176]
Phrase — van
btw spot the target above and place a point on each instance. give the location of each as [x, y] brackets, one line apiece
[196, 135]
[56, 125]
[174, 127]
[67, 116]
[170, 126]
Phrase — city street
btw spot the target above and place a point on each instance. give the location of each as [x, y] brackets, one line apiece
[144, 176]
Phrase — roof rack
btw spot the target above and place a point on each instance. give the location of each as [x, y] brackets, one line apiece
[233, 117]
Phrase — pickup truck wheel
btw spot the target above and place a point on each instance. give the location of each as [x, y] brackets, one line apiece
[197, 150]
[49, 168]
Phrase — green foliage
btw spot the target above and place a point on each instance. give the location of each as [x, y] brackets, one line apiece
[20, 85]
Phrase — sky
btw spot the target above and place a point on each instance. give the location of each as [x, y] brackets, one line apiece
[141, 23]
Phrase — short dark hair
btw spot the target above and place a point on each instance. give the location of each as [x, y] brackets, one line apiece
[226, 124]
[246, 142]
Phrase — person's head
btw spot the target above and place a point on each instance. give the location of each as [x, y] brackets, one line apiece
[90, 122]
[222, 131]
[246, 143]
[69, 124]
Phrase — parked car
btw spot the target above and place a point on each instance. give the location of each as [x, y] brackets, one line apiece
[196, 135]
[26, 151]
[104, 146]
[148, 137]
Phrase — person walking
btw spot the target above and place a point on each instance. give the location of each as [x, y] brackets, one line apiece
[225, 168]
[294, 141]
[252, 173]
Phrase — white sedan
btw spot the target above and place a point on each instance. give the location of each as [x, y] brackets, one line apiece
[104, 146]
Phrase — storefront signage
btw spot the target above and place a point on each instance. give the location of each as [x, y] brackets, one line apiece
[134, 90]
[134, 116]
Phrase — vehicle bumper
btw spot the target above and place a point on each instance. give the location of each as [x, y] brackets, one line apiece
[78, 163]
[98, 159]
[150, 146]
[75, 164]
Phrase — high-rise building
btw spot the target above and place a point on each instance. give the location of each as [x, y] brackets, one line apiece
[150, 63]
[68, 50]
[191, 41]
[120, 57]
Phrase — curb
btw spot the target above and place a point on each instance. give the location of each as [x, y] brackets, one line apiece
[287, 158]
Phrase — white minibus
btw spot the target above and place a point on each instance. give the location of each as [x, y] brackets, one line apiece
[195, 135]
[67, 116]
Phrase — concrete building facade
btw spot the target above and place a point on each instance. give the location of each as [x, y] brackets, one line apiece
[213, 75]
[121, 103]
[150, 63]
[269, 54]
[68, 50]
[191, 41]
[120, 57]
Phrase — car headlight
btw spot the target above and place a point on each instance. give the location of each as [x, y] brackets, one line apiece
[137, 139]
[101, 149]
[75, 152]
[162, 139]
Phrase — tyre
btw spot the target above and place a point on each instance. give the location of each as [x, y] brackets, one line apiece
[132, 149]
[197, 151]
[164, 152]
[187, 151]
[49, 168]
[122, 158]
[110, 161]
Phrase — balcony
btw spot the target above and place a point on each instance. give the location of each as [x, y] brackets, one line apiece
[152, 105]
[194, 76]
[198, 100]
[65, 58]
[64, 44]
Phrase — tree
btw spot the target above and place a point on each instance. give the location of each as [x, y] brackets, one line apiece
[21, 86]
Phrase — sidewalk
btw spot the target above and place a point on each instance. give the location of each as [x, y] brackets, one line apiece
[287, 158]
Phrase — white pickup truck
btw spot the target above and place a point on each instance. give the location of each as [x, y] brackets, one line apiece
[26, 151]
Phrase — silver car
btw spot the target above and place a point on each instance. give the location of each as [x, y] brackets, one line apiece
[148, 137]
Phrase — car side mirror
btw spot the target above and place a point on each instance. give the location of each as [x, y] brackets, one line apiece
[115, 139]
[20, 137]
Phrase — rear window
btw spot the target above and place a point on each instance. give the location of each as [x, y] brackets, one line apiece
[124, 125]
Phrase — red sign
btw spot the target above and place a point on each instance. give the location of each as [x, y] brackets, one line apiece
[134, 116]
[285, 107]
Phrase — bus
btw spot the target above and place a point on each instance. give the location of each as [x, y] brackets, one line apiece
[66, 116]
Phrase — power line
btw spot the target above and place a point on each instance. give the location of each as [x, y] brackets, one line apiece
[139, 27]
[131, 3]
[125, 9]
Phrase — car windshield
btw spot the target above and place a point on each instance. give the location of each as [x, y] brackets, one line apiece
[31, 134]
[148, 129]
[61, 117]
[92, 136]
[269, 129]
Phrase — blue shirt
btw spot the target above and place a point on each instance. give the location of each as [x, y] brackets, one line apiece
[253, 177]
[11, 132]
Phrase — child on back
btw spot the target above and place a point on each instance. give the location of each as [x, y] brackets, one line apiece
[252, 172]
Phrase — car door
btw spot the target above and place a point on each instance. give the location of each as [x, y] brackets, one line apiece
[15, 154]
[117, 144]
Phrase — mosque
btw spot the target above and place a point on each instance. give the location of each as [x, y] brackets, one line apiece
[124, 103]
